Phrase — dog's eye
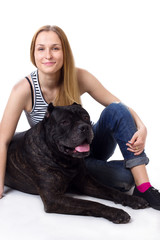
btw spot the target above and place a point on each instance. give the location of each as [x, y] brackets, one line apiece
[86, 118]
[64, 123]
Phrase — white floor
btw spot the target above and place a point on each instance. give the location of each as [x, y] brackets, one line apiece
[22, 217]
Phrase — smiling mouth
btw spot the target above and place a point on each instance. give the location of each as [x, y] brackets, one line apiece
[49, 63]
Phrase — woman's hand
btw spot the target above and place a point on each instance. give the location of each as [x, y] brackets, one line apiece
[137, 142]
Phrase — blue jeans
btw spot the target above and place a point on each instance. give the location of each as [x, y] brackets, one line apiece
[115, 126]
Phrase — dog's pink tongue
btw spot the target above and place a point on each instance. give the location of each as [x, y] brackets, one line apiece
[83, 148]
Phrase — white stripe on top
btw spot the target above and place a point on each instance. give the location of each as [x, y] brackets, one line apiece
[40, 106]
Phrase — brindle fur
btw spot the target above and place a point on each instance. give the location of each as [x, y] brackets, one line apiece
[40, 161]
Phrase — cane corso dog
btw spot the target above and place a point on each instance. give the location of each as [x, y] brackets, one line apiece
[48, 160]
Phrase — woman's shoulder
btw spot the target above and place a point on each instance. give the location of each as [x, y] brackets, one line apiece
[84, 76]
[81, 73]
[22, 86]
[86, 80]
[21, 91]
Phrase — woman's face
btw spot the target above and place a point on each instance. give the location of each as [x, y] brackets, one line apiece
[48, 52]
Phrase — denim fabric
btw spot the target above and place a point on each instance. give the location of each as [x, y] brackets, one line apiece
[115, 126]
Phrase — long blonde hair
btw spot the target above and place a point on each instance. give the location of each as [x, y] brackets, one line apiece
[69, 90]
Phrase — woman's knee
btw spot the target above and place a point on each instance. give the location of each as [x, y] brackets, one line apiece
[117, 114]
[117, 108]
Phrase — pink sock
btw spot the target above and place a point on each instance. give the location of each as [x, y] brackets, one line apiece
[144, 187]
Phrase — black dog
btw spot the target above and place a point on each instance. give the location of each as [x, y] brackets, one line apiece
[48, 160]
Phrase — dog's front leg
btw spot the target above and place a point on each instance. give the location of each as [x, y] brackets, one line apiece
[93, 188]
[68, 205]
[52, 192]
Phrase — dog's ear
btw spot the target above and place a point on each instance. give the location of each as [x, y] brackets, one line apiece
[49, 110]
[77, 104]
[50, 107]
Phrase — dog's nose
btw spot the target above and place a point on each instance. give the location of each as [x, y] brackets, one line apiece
[83, 128]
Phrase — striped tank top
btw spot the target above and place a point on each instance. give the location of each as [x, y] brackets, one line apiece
[39, 106]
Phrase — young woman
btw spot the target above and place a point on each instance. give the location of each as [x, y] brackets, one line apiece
[57, 80]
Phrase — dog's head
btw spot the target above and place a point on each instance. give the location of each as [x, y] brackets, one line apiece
[69, 128]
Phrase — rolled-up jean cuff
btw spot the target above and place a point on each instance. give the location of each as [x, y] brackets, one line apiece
[136, 162]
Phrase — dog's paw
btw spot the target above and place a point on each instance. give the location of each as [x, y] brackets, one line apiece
[121, 216]
[116, 215]
[135, 202]
[139, 203]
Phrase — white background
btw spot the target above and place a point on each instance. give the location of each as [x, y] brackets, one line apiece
[118, 41]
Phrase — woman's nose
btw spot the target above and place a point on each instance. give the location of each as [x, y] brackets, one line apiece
[48, 54]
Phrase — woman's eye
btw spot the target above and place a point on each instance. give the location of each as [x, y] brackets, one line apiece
[40, 49]
[55, 49]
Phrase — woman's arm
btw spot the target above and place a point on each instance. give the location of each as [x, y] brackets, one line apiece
[19, 100]
[137, 142]
[88, 83]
